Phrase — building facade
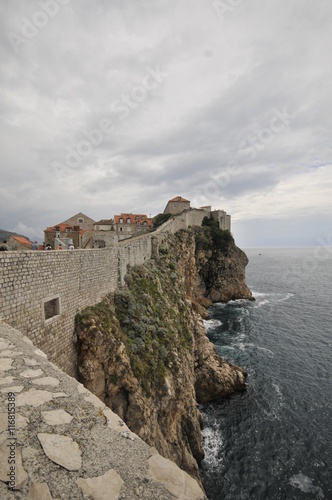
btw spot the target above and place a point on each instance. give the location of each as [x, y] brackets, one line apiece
[128, 225]
[177, 205]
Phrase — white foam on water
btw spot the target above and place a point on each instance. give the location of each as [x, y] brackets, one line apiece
[265, 298]
[242, 346]
[261, 303]
[304, 483]
[212, 445]
[212, 323]
[277, 389]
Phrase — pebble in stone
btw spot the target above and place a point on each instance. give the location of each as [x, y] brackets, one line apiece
[114, 421]
[7, 353]
[15, 388]
[40, 491]
[27, 340]
[56, 417]
[40, 353]
[20, 422]
[31, 362]
[105, 487]
[4, 344]
[34, 397]
[60, 395]
[54, 382]
[62, 450]
[32, 373]
[5, 364]
[6, 380]
[21, 476]
[127, 435]
[97, 403]
[175, 480]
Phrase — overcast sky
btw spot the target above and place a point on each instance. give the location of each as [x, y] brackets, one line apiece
[119, 105]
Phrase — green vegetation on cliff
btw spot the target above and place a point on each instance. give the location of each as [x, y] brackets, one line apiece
[149, 315]
[210, 236]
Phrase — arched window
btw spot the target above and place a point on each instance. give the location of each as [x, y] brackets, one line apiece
[138, 223]
[145, 223]
[121, 220]
[128, 220]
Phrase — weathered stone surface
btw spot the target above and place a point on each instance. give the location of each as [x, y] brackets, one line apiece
[20, 422]
[56, 417]
[6, 380]
[105, 487]
[31, 362]
[34, 397]
[20, 477]
[176, 481]
[40, 353]
[8, 353]
[40, 491]
[62, 450]
[59, 395]
[114, 421]
[5, 364]
[96, 430]
[32, 373]
[51, 381]
[15, 388]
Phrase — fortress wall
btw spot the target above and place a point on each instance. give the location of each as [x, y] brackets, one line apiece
[41, 292]
[132, 253]
[187, 218]
[67, 281]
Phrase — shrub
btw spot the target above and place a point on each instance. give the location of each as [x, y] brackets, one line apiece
[160, 219]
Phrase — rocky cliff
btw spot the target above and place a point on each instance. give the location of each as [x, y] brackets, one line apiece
[144, 350]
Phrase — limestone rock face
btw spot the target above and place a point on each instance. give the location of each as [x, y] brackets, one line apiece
[144, 351]
[214, 377]
[167, 419]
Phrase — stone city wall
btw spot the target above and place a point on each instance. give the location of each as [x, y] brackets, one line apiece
[41, 292]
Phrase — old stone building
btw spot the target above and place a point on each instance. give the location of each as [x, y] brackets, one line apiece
[127, 225]
[223, 219]
[177, 205]
[104, 225]
[18, 243]
[81, 220]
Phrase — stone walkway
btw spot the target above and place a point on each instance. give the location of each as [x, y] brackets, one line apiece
[59, 441]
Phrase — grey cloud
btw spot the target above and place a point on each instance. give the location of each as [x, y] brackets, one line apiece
[225, 78]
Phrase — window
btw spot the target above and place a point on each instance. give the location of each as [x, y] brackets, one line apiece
[145, 223]
[51, 308]
[121, 229]
[128, 221]
[80, 220]
[138, 223]
[121, 220]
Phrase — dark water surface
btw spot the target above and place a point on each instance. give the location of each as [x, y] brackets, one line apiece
[274, 441]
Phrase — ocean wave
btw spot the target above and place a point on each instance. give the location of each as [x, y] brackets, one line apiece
[243, 346]
[212, 445]
[212, 323]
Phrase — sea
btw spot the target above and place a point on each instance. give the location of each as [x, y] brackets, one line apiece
[274, 440]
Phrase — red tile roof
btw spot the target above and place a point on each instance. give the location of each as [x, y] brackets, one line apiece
[134, 218]
[178, 199]
[22, 240]
[62, 228]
